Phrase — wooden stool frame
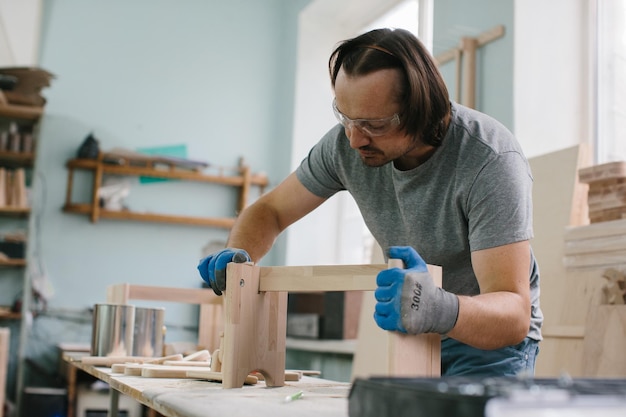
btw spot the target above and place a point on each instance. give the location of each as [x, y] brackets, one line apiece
[255, 313]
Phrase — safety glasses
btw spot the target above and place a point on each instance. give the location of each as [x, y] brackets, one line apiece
[371, 127]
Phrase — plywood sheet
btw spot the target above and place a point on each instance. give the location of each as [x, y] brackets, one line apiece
[559, 202]
[605, 342]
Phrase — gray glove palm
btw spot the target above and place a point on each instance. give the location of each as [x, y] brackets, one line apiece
[408, 300]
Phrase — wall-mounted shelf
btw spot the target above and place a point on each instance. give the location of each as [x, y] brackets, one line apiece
[8, 211]
[156, 168]
[7, 314]
[17, 159]
[15, 111]
[12, 263]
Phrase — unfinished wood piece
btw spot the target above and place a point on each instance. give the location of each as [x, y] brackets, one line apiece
[385, 353]
[289, 376]
[187, 363]
[108, 361]
[216, 356]
[163, 371]
[254, 329]
[607, 191]
[468, 96]
[464, 57]
[216, 362]
[605, 342]
[5, 336]
[319, 278]
[210, 321]
[255, 326]
[133, 369]
[218, 376]
[559, 202]
[201, 355]
[3, 188]
[118, 368]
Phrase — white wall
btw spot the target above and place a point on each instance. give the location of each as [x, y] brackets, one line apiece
[19, 32]
[326, 236]
[552, 100]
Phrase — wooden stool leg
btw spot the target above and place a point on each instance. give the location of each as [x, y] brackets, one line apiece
[255, 327]
[415, 355]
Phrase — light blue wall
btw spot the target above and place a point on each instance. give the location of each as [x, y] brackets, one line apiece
[454, 19]
[216, 76]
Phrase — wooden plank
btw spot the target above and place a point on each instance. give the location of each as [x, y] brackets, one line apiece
[15, 111]
[5, 341]
[187, 363]
[210, 325]
[236, 181]
[595, 245]
[217, 376]
[468, 87]
[490, 35]
[601, 172]
[591, 260]
[319, 278]
[163, 371]
[108, 361]
[81, 208]
[157, 293]
[597, 230]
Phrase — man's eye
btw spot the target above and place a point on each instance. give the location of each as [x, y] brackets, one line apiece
[374, 126]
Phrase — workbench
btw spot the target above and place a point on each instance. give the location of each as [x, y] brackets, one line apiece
[197, 398]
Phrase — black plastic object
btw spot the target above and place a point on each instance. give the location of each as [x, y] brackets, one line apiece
[7, 82]
[461, 396]
[90, 148]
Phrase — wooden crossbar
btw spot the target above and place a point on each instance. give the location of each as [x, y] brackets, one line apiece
[319, 278]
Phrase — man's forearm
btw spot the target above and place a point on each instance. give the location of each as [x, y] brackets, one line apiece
[255, 231]
[492, 320]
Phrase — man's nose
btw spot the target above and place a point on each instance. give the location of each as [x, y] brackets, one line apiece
[356, 137]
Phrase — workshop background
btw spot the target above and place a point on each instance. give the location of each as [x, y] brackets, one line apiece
[218, 81]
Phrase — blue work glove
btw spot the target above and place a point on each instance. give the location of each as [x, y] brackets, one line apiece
[213, 267]
[408, 300]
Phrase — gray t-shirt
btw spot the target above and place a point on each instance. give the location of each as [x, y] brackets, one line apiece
[474, 193]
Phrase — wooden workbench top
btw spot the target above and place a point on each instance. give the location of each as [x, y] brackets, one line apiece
[197, 398]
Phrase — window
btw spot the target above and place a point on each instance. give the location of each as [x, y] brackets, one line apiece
[611, 81]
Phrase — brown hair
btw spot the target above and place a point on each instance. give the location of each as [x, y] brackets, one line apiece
[424, 95]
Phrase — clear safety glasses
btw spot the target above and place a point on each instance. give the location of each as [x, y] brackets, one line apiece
[371, 127]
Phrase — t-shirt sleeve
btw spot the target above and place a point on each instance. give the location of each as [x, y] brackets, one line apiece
[317, 172]
[500, 203]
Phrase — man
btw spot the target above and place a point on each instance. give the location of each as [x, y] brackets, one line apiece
[435, 182]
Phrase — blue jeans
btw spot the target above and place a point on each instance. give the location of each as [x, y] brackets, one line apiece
[460, 359]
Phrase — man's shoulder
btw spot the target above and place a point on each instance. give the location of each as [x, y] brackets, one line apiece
[473, 126]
